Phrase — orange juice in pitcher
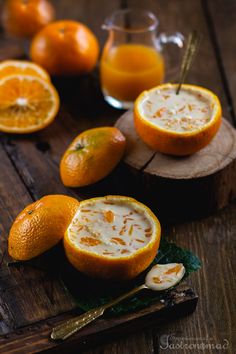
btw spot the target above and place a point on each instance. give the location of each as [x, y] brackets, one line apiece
[129, 69]
[131, 60]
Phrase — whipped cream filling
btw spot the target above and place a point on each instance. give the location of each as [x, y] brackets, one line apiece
[111, 227]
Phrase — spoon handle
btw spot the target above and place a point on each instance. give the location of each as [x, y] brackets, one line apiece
[193, 43]
[67, 328]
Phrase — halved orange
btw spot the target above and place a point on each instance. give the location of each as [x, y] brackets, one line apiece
[112, 237]
[27, 103]
[177, 124]
[14, 67]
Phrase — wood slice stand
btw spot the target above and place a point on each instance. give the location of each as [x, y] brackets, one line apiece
[182, 187]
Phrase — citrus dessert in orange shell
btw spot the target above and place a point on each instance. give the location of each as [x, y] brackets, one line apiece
[22, 67]
[177, 124]
[112, 237]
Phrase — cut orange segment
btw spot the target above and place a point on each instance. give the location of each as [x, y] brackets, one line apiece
[27, 104]
[15, 67]
[177, 124]
[112, 237]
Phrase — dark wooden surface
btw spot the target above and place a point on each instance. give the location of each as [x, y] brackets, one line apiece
[28, 163]
[176, 303]
[199, 184]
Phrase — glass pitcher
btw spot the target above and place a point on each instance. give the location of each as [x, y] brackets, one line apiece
[132, 59]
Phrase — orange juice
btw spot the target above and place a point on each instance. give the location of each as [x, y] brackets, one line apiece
[129, 69]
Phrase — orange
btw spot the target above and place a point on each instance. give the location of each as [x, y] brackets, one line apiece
[177, 124]
[65, 48]
[27, 103]
[24, 18]
[40, 226]
[112, 237]
[12, 67]
[91, 156]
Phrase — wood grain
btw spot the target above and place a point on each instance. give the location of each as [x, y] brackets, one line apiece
[29, 162]
[198, 184]
[221, 16]
[176, 303]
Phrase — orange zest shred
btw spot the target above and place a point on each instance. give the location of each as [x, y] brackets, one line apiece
[160, 112]
[125, 251]
[118, 240]
[131, 229]
[156, 280]
[138, 240]
[109, 216]
[89, 241]
[176, 269]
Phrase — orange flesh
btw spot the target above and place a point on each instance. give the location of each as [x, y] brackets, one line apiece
[129, 69]
[26, 69]
[24, 102]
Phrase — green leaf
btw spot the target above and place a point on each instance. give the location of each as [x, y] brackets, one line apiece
[93, 293]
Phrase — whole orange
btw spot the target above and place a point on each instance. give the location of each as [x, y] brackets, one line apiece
[65, 48]
[40, 226]
[24, 18]
[91, 156]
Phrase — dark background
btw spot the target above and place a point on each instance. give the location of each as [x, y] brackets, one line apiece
[29, 165]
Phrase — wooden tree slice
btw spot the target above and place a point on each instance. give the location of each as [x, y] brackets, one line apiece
[182, 186]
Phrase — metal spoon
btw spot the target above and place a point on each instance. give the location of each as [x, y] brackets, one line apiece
[160, 277]
[193, 43]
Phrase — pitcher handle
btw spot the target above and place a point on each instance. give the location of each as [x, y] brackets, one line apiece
[173, 62]
[176, 38]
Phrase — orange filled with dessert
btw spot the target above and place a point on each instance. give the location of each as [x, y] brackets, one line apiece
[177, 124]
[112, 237]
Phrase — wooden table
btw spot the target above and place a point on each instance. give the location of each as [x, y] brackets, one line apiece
[29, 170]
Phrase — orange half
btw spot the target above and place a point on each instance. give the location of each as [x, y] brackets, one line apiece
[177, 124]
[112, 237]
[15, 67]
[27, 104]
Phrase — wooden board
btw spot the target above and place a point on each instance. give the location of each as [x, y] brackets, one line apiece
[201, 183]
[35, 335]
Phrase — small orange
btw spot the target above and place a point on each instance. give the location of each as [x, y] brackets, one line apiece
[177, 124]
[112, 237]
[65, 48]
[27, 104]
[12, 67]
[24, 18]
[91, 156]
[40, 226]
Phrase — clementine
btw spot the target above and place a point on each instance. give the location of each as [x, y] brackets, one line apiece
[91, 156]
[24, 18]
[65, 48]
[40, 226]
